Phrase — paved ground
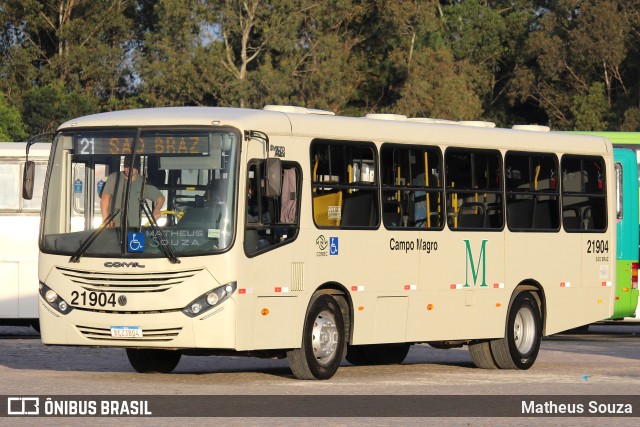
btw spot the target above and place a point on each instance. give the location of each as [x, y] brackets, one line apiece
[601, 362]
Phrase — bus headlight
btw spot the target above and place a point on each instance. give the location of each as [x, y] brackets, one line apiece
[209, 299]
[50, 296]
[196, 308]
[212, 298]
[54, 300]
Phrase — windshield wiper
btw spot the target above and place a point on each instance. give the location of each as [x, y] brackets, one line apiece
[85, 245]
[157, 234]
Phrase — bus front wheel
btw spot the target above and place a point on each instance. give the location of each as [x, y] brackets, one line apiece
[323, 341]
[153, 360]
[519, 348]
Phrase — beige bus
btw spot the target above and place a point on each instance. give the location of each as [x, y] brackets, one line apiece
[292, 232]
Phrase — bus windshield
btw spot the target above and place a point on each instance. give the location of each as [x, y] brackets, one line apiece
[150, 191]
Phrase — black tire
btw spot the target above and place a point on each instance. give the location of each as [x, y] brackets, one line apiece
[519, 348]
[153, 360]
[377, 354]
[323, 341]
[481, 355]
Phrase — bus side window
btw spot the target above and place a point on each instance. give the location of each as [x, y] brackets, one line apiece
[10, 182]
[474, 189]
[411, 186]
[532, 191]
[344, 184]
[584, 192]
[271, 221]
[11, 185]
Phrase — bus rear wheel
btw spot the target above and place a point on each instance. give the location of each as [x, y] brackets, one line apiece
[377, 354]
[481, 356]
[153, 360]
[323, 341]
[519, 348]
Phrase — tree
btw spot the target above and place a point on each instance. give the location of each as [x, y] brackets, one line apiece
[440, 87]
[11, 126]
[412, 68]
[577, 45]
[210, 52]
[80, 45]
[300, 52]
[631, 121]
[326, 64]
[45, 107]
[591, 109]
[566, 63]
[167, 61]
[397, 31]
[488, 36]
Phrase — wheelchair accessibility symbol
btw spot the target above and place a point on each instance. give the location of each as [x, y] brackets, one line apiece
[333, 246]
[135, 242]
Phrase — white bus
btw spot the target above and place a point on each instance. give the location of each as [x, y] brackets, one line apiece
[295, 233]
[19, 225]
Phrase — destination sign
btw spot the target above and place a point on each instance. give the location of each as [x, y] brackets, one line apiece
[159, 144]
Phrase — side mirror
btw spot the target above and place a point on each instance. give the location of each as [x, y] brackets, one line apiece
[273, 177]
[27, 180]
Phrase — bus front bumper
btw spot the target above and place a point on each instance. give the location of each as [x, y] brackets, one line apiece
[213, 329]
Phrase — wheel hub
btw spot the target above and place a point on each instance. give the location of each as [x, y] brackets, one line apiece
[325, 337]
[524, 330]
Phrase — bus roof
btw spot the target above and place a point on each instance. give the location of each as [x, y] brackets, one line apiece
[630, 139]
[17, 149]
[319, 124]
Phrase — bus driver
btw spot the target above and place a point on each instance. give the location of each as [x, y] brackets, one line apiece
[113, 195]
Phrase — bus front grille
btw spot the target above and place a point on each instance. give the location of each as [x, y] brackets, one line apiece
[127, 282]
[148, 335]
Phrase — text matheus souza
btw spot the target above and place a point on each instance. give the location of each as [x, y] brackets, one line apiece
[592, 407]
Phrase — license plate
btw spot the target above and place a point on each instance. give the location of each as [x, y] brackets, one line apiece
[126, 332]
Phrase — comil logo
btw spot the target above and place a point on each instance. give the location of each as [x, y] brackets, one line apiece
[111, 264]
[23, 406]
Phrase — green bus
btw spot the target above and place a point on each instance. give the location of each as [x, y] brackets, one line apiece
[627, 158]
[626, 302]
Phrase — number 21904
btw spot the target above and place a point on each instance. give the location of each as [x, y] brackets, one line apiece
[597, 246]
[93, 299]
